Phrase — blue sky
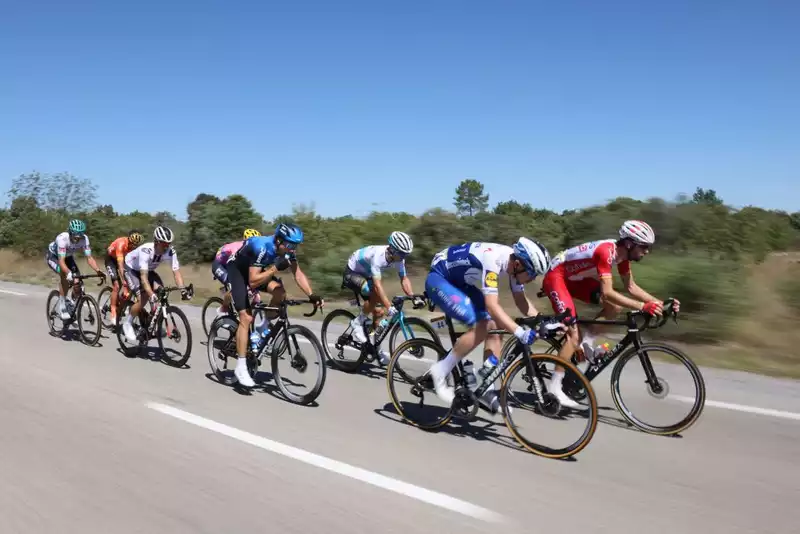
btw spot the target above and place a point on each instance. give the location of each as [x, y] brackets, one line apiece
[387, 105]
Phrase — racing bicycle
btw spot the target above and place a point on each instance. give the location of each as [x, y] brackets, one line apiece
[532, 396]
[629, 350]
[162, 322]
[399, 324]
[283, 338]
[84, 311]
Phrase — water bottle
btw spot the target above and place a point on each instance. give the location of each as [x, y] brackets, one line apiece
[255, 341]
[470, 375]
[381, 326]
[488, 366]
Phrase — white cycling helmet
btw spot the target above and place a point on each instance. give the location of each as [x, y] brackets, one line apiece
[637, 231]
[533, 255]
[401, 242]
[163, 234]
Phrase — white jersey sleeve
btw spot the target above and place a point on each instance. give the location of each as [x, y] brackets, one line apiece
[62, 246]
[494, 259]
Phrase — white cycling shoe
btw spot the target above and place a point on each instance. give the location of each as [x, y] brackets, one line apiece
[358, 330]
[243, 376]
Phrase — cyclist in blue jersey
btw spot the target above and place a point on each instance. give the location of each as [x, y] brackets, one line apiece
[255, 264]
[464, 282]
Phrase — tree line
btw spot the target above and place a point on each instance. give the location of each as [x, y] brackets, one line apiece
[701, 241]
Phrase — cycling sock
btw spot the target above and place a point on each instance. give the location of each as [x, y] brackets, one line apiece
[447, 364]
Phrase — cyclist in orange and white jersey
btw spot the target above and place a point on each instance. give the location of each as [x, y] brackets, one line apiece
[585, 272]
[115, 264]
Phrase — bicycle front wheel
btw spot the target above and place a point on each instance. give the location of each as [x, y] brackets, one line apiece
[305, 356]
[531, 409]
[88, 317]
[667, 380]
[411, 386]
[174, 326]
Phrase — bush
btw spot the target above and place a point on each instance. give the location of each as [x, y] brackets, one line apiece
[710, 292]
[790, 290]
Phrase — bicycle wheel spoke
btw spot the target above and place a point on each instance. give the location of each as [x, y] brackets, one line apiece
[299, 371]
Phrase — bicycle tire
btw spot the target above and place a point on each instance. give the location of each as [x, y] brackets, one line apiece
[299, 330]
[329, 345]
[107, 324]
[700, 388]
[231, 324]
[207, 325]
[49, 314]
[548, 452]
[397, 330]
[79, 318]
[424, 343]
[174, 310]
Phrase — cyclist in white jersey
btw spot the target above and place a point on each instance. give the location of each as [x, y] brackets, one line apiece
[61, 261]
[140, 267]
[363, 276]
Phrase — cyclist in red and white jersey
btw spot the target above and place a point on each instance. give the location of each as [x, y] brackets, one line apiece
[585, 272]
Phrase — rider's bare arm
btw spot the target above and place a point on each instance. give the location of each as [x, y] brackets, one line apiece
[524, 305]
[615, 297]
[144, 276]
[178, 278]
[257, 276]
[62, 262]
[405, 283]
[634, 290]
[92, 263]
[499, 315]
[301, 278]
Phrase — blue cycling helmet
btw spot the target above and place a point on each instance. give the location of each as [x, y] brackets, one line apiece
[77, 226]
[290, 233]
[533, 255]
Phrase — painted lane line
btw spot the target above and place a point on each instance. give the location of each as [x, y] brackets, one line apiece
[742, 408]
[391, 484]
[13, 293]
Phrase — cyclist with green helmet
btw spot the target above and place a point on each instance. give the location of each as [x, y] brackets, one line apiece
[61, 261]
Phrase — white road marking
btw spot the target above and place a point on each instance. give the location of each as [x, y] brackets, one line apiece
[742, 408]
[391, 484]
[13, 292]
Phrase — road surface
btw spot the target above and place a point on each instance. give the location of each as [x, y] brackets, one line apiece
[93, 441]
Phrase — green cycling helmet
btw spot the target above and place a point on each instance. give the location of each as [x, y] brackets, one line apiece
[77, 226]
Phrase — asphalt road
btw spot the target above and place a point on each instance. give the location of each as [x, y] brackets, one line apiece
[93, 441]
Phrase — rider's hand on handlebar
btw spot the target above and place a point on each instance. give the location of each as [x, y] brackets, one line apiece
[185, 294]
[525, 335]
[654, 307]
[392, 311]
[418, 303]
[316, 300]
[676, 305]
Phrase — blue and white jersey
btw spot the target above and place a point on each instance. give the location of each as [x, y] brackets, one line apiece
[476, 264]
[258, 251]
[371, 262]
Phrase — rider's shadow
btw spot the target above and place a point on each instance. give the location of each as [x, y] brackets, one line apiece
[478, 428]
[264, 383]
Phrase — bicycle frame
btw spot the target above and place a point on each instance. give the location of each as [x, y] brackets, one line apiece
[398, 302]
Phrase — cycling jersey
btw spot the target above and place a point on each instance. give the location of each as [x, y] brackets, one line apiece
[371, 262]
[227, 250]
[63, 246]
[590, 260]
[119, 247]
[258, 251]
[145, 258]
[577, 272]
[476, 264]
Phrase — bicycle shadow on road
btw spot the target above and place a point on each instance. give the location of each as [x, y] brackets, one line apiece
[366, 369]
[151, 354]
[464, 428]
[619, 422]
[264, 383]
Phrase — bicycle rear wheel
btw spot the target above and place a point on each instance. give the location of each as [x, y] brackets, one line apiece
[104, 307]
[304, 353]
[88, 318]
[53, 314]
[411, 386]
[206, 307]
[523, 402]
[691, 392]
[337, 344]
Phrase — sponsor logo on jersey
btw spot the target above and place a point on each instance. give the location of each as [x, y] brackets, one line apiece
[491, 279]
[457, 263]
[575, 267]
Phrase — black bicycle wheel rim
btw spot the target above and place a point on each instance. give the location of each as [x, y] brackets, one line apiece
[414, 382]
[541, 450]
[232, 325]
[87, 340]
[697, 377]
[207, 324]
[329, 345]
[171, 312]
[289, 333]
[108, 325]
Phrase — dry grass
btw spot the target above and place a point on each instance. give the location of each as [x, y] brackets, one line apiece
[765, 339]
